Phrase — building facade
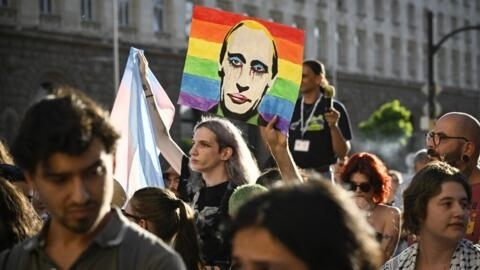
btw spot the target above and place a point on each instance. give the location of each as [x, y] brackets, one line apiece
[374, 50]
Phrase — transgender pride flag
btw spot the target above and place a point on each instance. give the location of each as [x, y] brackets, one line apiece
[200, 87]
[137, 163]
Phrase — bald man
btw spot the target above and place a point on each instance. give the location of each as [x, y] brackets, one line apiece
[456, 140]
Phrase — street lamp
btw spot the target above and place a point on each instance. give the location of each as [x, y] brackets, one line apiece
[432, 48]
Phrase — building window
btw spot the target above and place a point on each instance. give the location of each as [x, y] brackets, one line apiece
[378, 10]
[411, 15]
[342, 46]
[300, 22]
[442, 65]
[322, 41]
[86, 9]
[188, 16]
[158, 16]
[361, 8]
[123, 13]
[379, 52]
[396, 56]
[395, 12]
[412, 59]
[468, 68]
[455, 67]
[276, 16]
[45, 7]
[454, 26]
[341, 6]
[440, 25]
[361, 49]
[250, 10]
[225, 5]
[322, 3]
[468, 34]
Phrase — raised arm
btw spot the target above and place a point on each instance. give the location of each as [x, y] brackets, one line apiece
[340, 145]
[278, 145]
[168, 147]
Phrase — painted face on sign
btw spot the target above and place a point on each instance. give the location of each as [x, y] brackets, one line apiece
[248, 66]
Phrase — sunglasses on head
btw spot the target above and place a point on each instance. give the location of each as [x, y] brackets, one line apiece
[131, 216]
[364, 187]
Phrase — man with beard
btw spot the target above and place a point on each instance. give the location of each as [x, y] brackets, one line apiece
[456, 140]
[248, 66]
[65, 146]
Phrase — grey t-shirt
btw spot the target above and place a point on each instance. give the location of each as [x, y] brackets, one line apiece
[120, 245]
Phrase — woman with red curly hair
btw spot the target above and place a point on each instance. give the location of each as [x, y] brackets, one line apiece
[367, 177]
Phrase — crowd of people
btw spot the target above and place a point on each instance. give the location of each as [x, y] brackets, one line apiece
[318, 207]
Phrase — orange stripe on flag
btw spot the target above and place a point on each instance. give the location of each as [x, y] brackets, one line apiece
[208, 31]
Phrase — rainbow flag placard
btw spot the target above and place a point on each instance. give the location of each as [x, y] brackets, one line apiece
[202, 79]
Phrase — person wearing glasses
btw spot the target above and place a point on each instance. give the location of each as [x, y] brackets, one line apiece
[367, 177]
[435, 209]
[270, 231]
[455, 139]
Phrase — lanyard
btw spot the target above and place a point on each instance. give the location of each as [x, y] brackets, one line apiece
[304, 125]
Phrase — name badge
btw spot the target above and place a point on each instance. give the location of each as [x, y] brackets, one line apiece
[301, 145]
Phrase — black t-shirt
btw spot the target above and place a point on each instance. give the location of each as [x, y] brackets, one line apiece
[211, 216]
[320, 151]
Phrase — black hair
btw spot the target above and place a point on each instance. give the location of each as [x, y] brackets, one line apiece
[66, 122]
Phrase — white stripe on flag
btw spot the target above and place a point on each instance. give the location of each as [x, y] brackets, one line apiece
[137, 163]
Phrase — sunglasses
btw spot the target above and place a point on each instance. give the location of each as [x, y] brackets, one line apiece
[364, 187]
[131, 216]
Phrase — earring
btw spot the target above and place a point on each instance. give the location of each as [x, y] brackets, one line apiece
[465, 158]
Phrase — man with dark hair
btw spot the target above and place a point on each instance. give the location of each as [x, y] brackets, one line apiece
[455, 139]
[246, 71]
[66, 147]
[320, 131]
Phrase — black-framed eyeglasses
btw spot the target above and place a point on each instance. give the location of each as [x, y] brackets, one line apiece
[364, 187]
[131, 216]
[437, 138]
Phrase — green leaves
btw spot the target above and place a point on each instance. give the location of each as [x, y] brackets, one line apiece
[391, 122]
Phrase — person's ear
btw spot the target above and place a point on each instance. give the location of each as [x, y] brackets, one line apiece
[142, 223]
[226, 153]
[29, 179]
[468, 149]
[319, 79]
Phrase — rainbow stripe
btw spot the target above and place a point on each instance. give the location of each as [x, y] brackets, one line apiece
[201, 82]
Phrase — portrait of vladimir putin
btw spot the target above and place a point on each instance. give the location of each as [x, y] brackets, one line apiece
[248, 66]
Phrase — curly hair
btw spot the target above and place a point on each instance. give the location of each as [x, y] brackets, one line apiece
[374, 169]
[18, 219]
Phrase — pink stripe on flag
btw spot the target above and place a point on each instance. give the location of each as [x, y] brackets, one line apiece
[137, 163]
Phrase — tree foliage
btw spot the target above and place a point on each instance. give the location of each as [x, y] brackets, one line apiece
[391, 122]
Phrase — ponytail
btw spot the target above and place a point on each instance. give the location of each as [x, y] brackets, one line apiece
[186, 242]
